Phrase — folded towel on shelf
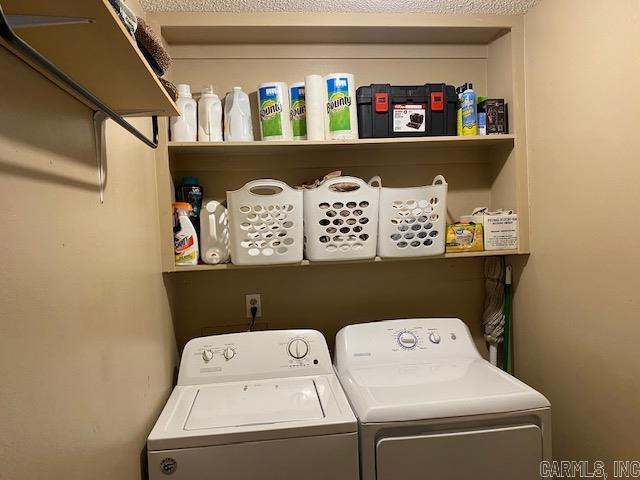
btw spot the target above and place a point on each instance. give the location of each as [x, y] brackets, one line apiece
[152, 48]
[171, 89]
[127, 17]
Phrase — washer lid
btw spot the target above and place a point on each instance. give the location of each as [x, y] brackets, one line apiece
[455, 387]
[254, 403]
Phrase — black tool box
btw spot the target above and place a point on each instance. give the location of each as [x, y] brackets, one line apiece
[407, 111]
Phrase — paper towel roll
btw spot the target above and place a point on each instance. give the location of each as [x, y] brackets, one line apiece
[316, 107]
[298, 111]
[341, 120]
[273, 111]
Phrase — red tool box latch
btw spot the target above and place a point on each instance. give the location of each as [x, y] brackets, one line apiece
[382, 102]
[437, 101]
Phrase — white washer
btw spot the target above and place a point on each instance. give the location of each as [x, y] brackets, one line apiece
[256, 405]
[429, 406]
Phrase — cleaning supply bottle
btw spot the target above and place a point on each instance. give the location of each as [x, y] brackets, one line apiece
[185, 238]
[184, 128]
[209, 116]
[237, 117]
[189, 191]
[469, 112]
[215, 242]
[459, 91]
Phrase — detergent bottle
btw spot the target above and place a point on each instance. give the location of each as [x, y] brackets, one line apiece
[214, 233]
[237, 117]
[209, 116]
[184, 128]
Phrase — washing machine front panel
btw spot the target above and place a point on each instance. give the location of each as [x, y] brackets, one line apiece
[312, 458]
[507, 453]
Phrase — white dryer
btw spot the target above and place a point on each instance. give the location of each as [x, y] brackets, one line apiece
[252, 405]
[430, 407]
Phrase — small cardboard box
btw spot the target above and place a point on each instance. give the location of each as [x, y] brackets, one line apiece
[501, 231]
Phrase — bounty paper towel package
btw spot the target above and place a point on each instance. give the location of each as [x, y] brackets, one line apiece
[273, 108]
[298, 111]
[341, 121]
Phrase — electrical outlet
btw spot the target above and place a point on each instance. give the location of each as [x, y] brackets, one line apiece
[253, 300]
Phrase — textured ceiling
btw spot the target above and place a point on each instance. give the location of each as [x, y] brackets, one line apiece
[501, 7]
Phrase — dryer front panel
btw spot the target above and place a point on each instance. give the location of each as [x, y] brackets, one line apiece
[507, 453]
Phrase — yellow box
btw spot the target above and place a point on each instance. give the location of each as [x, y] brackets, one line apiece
[464, 237]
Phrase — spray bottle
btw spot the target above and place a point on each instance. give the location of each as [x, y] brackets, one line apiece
[185, 239]
[469, 112]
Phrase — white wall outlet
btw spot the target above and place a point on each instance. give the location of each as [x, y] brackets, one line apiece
[253, 300]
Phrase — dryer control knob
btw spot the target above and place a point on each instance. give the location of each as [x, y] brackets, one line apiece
[207, 355]
[434, 337]
[228, 353]
[298, 348]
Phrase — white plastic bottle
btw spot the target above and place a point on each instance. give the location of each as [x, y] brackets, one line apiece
[185, 127]
[185, 238]
[215, 242]
[237, 117]
[209, 116]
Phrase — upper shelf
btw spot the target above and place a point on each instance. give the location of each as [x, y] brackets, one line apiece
[388, 144]
[259, 34]
[100, 55]
[202, 28]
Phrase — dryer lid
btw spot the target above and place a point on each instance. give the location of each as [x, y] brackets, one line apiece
[457, 387]
[254, 403]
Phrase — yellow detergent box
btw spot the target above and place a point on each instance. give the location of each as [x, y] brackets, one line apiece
[465, 237]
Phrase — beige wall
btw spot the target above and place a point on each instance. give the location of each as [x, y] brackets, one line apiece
[576, 310]
[87, 349]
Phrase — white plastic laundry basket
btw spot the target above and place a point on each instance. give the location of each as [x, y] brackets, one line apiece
[341, 225]
[413, 220]
[265, 220]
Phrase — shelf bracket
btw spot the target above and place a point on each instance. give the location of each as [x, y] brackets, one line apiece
[44, 65]
[99, 127]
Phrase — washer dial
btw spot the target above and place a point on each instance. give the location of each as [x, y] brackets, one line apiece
[298, 348]
[434, 337]
[407, 340]
[207, 355]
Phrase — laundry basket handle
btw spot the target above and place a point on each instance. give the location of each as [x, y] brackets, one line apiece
[439, 180]
[334, 181]
[267, 183]
[377, 180]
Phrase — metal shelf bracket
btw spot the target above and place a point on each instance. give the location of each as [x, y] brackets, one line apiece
[102, 111]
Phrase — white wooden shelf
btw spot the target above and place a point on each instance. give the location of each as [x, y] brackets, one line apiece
[389, 144]
[100, 54]
[307, 263]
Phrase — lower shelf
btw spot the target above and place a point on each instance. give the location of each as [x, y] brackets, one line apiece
[307, 263]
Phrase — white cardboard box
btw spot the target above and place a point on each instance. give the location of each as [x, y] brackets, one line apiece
[501, 232]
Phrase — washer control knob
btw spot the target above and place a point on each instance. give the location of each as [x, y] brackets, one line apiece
[298, 348]
[407, 340]
[434, 337]
[228, 353]
[207, 355]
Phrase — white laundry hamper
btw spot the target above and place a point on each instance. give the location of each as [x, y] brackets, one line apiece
[341, 225]
[265, 220]
[413, 220]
